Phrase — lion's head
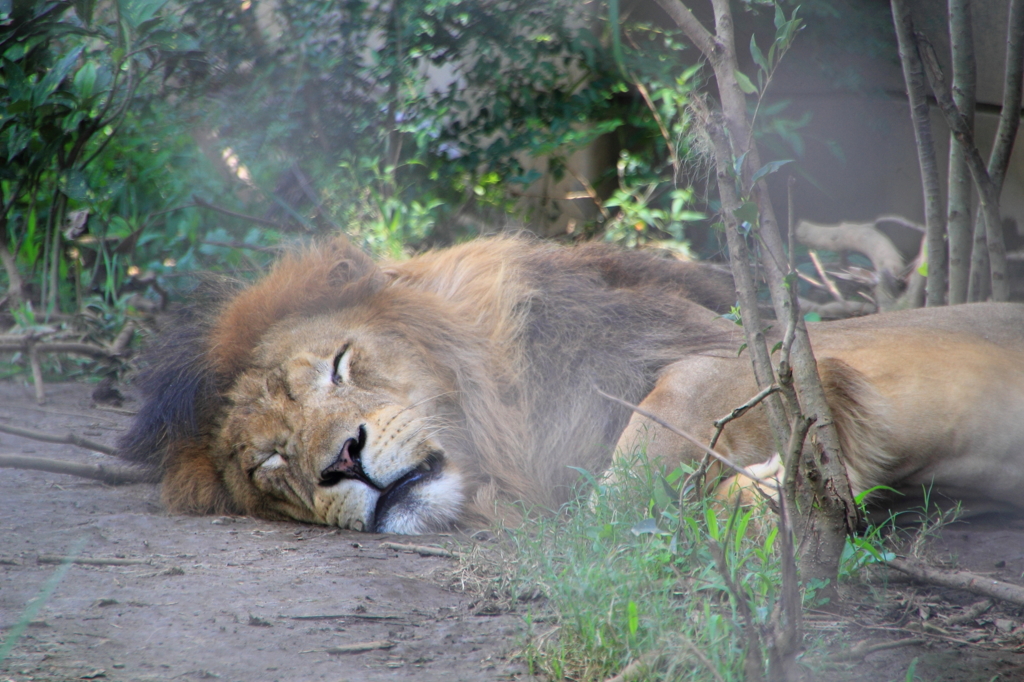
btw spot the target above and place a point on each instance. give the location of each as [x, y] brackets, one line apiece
[341, 422]
[414, 396]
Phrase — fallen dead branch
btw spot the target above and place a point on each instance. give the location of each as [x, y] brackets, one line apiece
[961, 580]
[863, 238]
[971, 613]
[66, 439]
[75, 348]
[91, 561]
[360, 647]
[862, 649]
[35, 344]
[422, 550]
[114, 475]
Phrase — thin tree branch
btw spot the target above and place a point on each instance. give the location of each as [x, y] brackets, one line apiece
[752, 655]
[694, 30]
[742, 410]
[89, 349]
[66, 439]
[745, 287]
[661, 127]
[989, 195]
[252, 219]
[698, 474]
[114, 475]
[37, 374]
[830, 523]
[863, 238]
[682, 434]
[1009, 118]
[829, 284]
[91, 561]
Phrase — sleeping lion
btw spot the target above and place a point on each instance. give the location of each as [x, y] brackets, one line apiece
[414, 396]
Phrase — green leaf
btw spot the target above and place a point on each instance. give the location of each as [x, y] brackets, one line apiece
[52, 80]
[758, 56]
[812, 317]
[747, 213]
[17, 138]
[74, 185]
[711, 519]
[136, 12]
[923, 269]
[768, 169]
[633, 616]
[744, 83]
[85, 80]
[780, 16]
[737, 166]
[741, 529]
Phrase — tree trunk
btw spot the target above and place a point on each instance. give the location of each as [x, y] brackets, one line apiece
[935, 223]
[819, 558]
[961, 34]
[1002, 148]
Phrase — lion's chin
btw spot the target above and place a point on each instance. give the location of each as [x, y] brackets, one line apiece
[428, 506]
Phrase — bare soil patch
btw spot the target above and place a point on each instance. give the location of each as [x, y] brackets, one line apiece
[214, 598]
[231, 598]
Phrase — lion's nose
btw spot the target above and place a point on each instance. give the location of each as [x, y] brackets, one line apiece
[348, 463]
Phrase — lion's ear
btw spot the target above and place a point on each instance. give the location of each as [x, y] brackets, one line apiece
[192, 484]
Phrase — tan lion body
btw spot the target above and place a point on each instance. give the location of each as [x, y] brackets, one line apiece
[442, 390]
[929, 399]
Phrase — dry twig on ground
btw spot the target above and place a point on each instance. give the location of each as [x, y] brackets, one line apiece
[66, 439]
[862, 649]
[422, 550]
[91, 561]
[961, 580]
[114, 475]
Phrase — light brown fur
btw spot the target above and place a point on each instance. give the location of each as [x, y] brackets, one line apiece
[930, 399]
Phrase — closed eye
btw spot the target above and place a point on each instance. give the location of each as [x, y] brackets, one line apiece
[341, 365]
[275, 461]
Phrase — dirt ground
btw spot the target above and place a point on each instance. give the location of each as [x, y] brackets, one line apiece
[213, 598]
[250, 600]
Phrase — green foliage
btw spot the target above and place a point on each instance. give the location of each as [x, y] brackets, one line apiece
[144, 141]
[630, 570]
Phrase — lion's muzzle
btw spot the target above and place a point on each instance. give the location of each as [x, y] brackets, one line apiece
[349, 463]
